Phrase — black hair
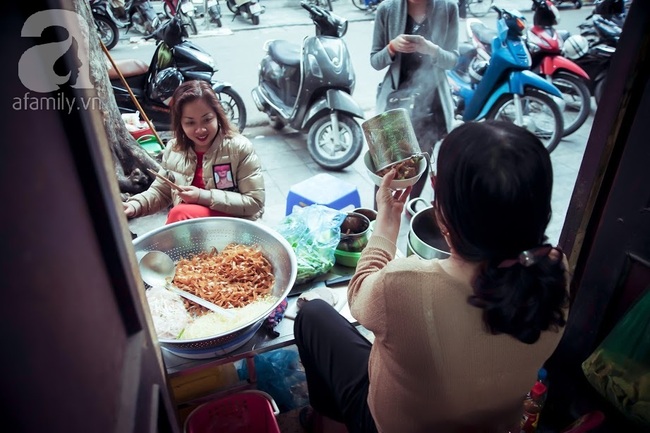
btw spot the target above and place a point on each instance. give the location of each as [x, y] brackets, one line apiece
[191, 91]
[493, 195]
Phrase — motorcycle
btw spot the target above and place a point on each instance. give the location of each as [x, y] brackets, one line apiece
[499, 85]
[594, 59]
[598, 29]
[545, 47]
[214, 12]
[612, 10]
[309, 87]
[141, 15]
[246, 8]
[187, 12]
[174, 61]
[108, 31]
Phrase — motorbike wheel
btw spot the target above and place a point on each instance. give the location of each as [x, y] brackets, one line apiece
[234, 107]
[108, 31]
[328, 151]
[256, 19]
[232, 7]
[479, 8]
[577, 99]
[542, 115]
[577, 4]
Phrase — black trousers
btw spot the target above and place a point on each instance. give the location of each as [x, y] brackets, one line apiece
[335, 357]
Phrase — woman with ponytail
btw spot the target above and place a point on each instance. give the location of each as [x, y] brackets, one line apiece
[458, 342]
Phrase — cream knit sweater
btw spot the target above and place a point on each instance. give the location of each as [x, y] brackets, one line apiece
[433, 366]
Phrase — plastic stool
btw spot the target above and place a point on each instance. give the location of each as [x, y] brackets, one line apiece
[323, 189]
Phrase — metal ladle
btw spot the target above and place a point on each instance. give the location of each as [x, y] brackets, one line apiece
[158, 269]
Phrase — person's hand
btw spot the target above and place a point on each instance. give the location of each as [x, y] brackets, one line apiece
[414, 43]
[390, 204]
[406, 43]
[189, 194]
[129, 209]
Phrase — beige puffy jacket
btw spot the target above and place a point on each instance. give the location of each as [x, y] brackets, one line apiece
[246, 200]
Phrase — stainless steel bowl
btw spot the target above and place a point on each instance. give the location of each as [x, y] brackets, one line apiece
[424, 237]
[199, 235]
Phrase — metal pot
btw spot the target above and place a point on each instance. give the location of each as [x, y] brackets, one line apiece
[424, 237]
[189, 237]
[355, 231]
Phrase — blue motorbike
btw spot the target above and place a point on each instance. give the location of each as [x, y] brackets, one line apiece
[499, 85]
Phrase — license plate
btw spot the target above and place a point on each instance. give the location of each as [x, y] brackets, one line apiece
[212, 3]
[255, 8]
[187, 7]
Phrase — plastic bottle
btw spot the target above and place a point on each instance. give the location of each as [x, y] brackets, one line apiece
[533, 405]
[542, 374]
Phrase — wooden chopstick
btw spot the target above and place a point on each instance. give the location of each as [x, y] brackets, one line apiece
[164, 179]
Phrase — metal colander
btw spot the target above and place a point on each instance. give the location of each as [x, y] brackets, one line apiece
[194, 236]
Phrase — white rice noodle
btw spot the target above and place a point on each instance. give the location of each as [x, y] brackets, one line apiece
[214, 323]
[168, 312]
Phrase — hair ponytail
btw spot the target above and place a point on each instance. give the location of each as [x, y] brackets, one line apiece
[492, 193]
[522, 301]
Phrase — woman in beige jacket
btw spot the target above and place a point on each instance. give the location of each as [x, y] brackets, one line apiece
[206, 146]
[458, 342]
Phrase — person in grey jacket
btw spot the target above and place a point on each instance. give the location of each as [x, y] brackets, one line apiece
[417, 40]
[206, 146]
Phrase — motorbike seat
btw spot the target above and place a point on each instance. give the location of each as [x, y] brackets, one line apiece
[285, 52]
[466, 50]
[128, 68]
[483, 33]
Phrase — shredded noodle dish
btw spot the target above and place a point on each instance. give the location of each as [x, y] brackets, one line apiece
[232, 278]
[239, 277]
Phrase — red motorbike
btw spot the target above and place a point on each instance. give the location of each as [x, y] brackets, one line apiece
[545, 47]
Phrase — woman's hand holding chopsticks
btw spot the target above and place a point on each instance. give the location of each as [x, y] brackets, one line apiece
[189, 194]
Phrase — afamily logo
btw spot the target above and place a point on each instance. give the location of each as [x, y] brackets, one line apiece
[47, 67]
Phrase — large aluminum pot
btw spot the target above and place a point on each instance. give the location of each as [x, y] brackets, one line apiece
[198, 235]
[424, 237]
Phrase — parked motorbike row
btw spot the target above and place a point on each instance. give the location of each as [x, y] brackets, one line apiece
[137, 14]
[141, 16]
[537, 77]
[528, 74]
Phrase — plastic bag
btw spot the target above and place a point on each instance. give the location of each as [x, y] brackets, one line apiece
[313, 232]
[620, 367]
[280, 374]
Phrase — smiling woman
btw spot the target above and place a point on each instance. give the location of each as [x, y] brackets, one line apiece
[215, 168]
